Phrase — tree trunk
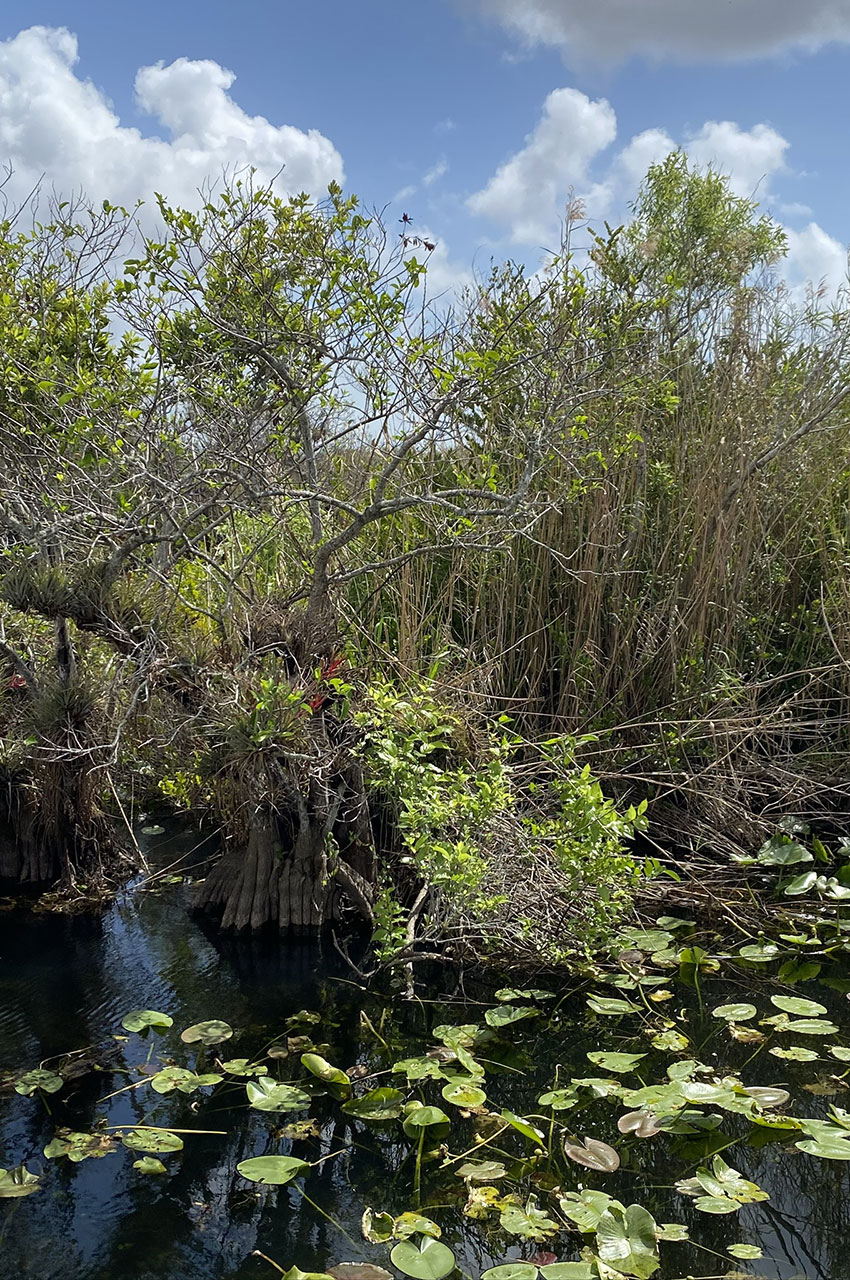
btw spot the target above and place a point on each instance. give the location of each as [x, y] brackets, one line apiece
[51, 834]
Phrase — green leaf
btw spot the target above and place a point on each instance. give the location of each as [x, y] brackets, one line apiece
[265, 1095]
[759, 952]
[796, 1004]
[779, 851]
[570, 1271]
[586, 1208]
[744, 1251]
[146, 1019]
[505, 1014]
[207, 1033]
[626, 1241]
[812, 1027]
[508, 995]
[529, 1131]
[559, 1099]
[156, 1140]
[421, 1068]
[79, 1146]
[427, 1260]
[39, 1078]
[149, 1164]
[171, 1078]
[272, 1170]
[526, 1221]
[620, 1062]
[377, 1228]
[826, 1148]
[481, 1171]
[511, 1271]
[411, 1224]
[735, 1012]
[335, 1080]
[376, 1105]
[800, 884]
[18, 1182]
[716, 1204]
[795, 1053]
[425, 1118]
[464, 1093]
[610, 1007]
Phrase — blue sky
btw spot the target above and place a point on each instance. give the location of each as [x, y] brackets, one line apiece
[478, 116]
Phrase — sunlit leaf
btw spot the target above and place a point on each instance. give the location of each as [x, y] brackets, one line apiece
[616, 1061]
[505, 1014]
[154, 1140]
[376, 1105]
[274, 1170]
[141, 1020]
[207, 1033]
[149, 1164]
[797, 1004]
[735, 1012]
[428, 1259]
[18, 1182]
[593, 1154]
[265, 1095]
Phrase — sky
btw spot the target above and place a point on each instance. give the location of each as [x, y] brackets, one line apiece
[477, 118]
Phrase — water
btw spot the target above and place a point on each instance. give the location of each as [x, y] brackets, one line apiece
[66, 982]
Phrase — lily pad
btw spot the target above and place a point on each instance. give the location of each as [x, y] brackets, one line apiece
[149, 1164]
[511, 1271]
[265, 1095]
[207, 1033]
[411, 1224]
[610, 1006]
[735, 1012]
[376, 1105]
[142, 1020]
[795, 1053]
[154, 1140]
[797, 1004]
[481, 1171]
[616, 1061]
[505, 1014]
[626, 1240]
[40, 1078]
[464, 1093]
[274, 1171]
[18, 1182]
[759, 952]
[79, 1146]
[336, 1081]
[428, 1259]
[592, 1154]
[749, 1251]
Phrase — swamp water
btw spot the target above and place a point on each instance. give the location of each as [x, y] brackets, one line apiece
[651, 1064]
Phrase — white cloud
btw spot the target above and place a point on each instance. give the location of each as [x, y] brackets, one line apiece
[528, 191]
[436, 172]
[57, 126]
[815, 258]
[696, 30]
[748, 157]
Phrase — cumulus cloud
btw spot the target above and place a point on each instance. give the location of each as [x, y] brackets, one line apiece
[527, 195]
[748, 157]
[528, 191]
[57, 126]
[814, 258]
[696, 30]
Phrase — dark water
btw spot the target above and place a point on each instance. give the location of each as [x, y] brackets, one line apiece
[65, 983]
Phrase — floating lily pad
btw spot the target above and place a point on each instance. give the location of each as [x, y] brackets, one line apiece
[481, 1171]
[464, 1093]
[79, 1146]
[798, 1005]
[616, 1061]
[265, 1095]
[40, 1078]
[207, 1033]
[411, 1224]
[759, 952]
[610, 1006]
[154, 1140]
[141, 1020]
[275, 1171]
[171, 1078]
[795, 1053]
[506, 1014]
[735, 1012]
[376, 1105]
[511, 1271]
[18, 1182]
[749, 1251]
[149, 1164]
[377, 1228]
[428, 1259]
